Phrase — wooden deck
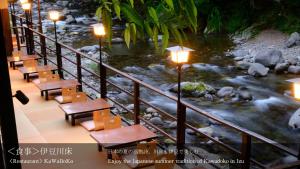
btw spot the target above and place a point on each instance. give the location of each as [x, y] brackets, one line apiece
[43, 121]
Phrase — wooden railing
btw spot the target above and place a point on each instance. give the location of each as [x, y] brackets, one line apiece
[247, 136]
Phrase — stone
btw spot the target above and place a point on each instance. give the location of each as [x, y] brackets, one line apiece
[292, 60]
[147, 116]
[62, 3]
[151, 110]
[293, 40]
[209, 97]
[206, 130]
[281, 67]
[238, 58]
[258, 70]
[156, 121]
[194, 89]
[225, 91]
[269, 58]
[294, 69]
[130, 106]
[243, 65]
[244, 93]
[190, 131]
[240, 53]
[294, 121]
[173, 125]
[87, 49]
[70, 19]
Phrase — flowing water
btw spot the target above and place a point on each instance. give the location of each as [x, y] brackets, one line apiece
[267, 114]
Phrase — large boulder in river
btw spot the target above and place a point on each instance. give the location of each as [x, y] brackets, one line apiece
[225, 91]
[281, 67]
[293, 40]
[294, 69]
[269, 58]
[294, 121]
[194, 89]
[243, 65]
[70, 19]
[257, 69]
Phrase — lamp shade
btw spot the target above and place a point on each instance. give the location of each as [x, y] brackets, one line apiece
[99, 29]
[26, 6]
[179, 54]
[24, 1]
[54, 15]
[296, 87]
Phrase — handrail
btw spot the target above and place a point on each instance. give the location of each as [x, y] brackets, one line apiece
[225, 123]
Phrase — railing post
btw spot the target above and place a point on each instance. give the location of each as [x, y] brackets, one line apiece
[79, 71]
[103, 89]
[15, 28]
[298, 154]
[59, 60]
[181, 119]
[43, 49]
[136, 95]
[246, 151]
[22, 30]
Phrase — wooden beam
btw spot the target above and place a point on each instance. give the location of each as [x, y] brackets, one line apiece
[7, 115]
[6, 26]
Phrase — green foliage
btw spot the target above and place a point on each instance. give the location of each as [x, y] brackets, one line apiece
[214, 21]
[166, 17]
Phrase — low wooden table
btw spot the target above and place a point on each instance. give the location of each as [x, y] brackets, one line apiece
[47, 86]
[122, 137]
[79, 108]
[13, 60]
[26, 71]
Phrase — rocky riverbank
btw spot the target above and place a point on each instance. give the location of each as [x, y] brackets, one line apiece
[270, 51]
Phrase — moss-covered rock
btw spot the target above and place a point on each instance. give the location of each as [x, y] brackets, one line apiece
[194, 89]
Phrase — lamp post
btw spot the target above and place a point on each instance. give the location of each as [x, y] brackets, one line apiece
[54, 16]
[180, 55]
[99, 32]
[27, 7]
[296, 95]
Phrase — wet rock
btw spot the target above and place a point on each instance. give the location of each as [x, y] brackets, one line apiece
[238, 58]
[243, 65]
[240, 53]
[87, 49]
[294, 69]
[117, 40]
[206, 130]
[294, 121]
[194, 89]
[293, 40]
[244, 93]
[292, 60]
[130, 106]
[156, 121]
[147, 116]
[225, 91]
[190, 132]
[257, 69]
[62, 3]
[172, 125]
[150, 110]
[70, 19]
[281, 67]
[269, 58]
[209, 97]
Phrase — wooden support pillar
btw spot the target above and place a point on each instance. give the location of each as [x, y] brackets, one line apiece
[9, 136]
[6, 26]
